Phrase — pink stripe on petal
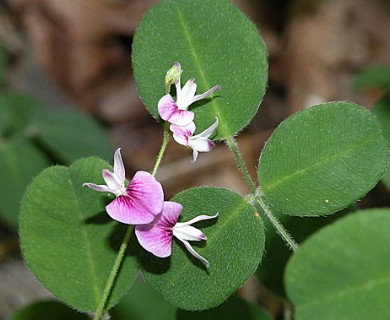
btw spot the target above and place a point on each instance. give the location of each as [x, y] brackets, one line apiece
[181, 118]
[147, 192]
[126, 210]
[166, 107]
[155, 239]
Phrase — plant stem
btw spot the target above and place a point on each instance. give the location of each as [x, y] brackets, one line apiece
[284, 234]
[166, 139]
[232, 144]
[113, 274]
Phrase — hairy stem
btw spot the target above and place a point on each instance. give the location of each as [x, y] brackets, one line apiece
[113, 274]
[166, 139]
[232, 144]
[259, 202]
[283, 233]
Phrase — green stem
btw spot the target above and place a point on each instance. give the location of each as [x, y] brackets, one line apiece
[284, 234]
[166, 139]
[113, 274]
[232, 144]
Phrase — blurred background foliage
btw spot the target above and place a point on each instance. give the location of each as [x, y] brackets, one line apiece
[67, 91]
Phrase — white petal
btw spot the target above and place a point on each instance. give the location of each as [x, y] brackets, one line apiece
[201, 144]
[198, 218]
[97, 187]
[194, 253]
[209, 131]
[207, 93]
[190, 233]
[186, 96]
[119, 168]
[112, 182]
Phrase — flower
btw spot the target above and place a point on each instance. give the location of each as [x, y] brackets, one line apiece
[176, 112]
[138, 203]
[157, 237]
[198, 143]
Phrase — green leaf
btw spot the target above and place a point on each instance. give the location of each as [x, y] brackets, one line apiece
[143, 303]
[382, 111]
[271, 269]
[67, 239]
[16, 111]
[47, 310]
[20, 161]
[322, 159]
[233, 309]
[342, 271]
[234, 249]
[70, 135]
[215, 44]
[374, 76]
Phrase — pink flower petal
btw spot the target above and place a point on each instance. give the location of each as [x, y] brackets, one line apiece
[169, 111]
[143, 201]
[182, 134]
[124, 209]
[166, 107]
[181, 118]
[147, 191]
[157, 237]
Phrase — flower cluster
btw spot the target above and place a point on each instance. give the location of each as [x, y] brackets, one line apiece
[180, 118]
[142, 204]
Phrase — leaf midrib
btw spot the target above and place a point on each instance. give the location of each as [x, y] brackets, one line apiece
[88, 248]
[275, 183]
[348, 290]
[213, 103]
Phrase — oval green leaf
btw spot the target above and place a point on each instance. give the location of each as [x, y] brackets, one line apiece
[233, 309]
[71, 135]
[217, 45]
[271, 269]
[322, 159]
[20, 161]
[342, 271]
[48, 310]
[67, 239]
[382, 111]
[137, 305]
[234, 249]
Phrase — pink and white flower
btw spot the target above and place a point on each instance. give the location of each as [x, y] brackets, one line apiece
[138, 203]
[198, 143]
[157, 237]
[177, 112]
